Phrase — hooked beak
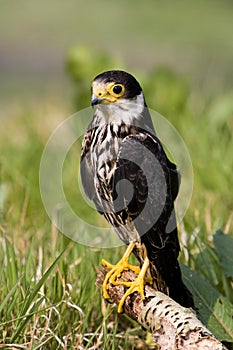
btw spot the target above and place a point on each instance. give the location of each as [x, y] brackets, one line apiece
[96, 100]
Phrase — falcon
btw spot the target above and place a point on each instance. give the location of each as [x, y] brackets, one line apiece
[126, 173]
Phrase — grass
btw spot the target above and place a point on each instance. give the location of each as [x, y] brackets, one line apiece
[48, 293]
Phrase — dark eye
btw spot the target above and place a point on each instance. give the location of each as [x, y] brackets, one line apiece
[117, 89]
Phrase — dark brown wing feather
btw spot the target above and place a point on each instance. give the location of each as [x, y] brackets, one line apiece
[143, 162]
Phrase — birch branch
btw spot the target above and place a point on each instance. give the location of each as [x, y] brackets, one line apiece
[173, 326]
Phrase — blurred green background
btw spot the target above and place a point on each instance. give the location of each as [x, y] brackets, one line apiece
[192, 37]
[182, 53]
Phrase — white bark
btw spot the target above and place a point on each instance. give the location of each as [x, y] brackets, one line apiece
[173, 326]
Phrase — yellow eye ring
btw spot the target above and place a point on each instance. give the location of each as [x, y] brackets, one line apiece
[116, 90]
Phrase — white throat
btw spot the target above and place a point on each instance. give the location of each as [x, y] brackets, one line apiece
[122, 111]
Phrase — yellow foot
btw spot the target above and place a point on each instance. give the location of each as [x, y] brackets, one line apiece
[136, 286]
[116, 270]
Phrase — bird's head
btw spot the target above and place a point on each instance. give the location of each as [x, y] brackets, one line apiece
[119, 98]
[114, 86]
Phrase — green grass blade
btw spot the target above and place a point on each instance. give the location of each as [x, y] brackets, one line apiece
[8, 296]
[29, 299]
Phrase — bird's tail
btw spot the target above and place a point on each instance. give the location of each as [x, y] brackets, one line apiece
[166, 275]
[181, 295]
[171, 283]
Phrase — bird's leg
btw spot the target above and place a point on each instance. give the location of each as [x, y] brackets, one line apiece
[136, 286]
[116, 270]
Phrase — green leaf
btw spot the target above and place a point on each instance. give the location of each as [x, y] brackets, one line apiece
[224, 248]
[214, 310]
[207, 263]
